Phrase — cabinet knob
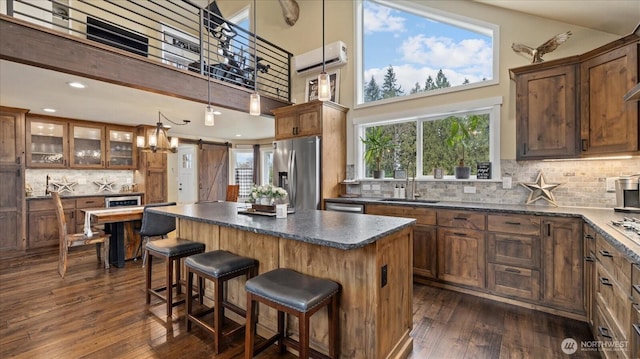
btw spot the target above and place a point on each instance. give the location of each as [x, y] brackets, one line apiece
[605, 281]
[585, 145]
[605, 253]
[604, 332]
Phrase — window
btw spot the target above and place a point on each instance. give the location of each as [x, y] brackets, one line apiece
[419, 140]
[266, 166]
[411, 50]
[242, 169]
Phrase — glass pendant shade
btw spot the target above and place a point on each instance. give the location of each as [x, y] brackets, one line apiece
[140, 141]
[209, 119]
[173, 143]
[324, 87]
[254, 104]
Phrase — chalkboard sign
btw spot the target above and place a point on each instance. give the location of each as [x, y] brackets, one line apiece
[484, 170]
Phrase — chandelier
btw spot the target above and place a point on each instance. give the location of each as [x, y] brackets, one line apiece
[158, 141]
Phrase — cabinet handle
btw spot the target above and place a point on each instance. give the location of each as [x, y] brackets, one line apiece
[90, 202]
[17, 173]
[548, 229]
[585, 145]
[589, 259]
[588, 236]
[604, 332]
[459, 234]
[513, 223]
[605, 281]
[636, 327]
[636, 287]
[460, 218]
[18, 160]
[512, 270]
[605, 253]
[635, 306]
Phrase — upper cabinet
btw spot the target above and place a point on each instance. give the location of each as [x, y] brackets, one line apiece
[574, 107]
[608, 123]
[62, 143]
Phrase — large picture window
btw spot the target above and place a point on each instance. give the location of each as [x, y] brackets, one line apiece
[407, 49]
[419, 142]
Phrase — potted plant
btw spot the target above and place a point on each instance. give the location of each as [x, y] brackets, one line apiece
[460, 137]
[377, 145]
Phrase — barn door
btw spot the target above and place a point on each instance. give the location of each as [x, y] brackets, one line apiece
[213, 172]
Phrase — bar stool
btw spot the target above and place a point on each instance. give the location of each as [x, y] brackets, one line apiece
[171, 250]
[296, 294]
[217, 266]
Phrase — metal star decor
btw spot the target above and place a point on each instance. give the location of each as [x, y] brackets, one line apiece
[540, 189]
[105, 185]
[64, 185]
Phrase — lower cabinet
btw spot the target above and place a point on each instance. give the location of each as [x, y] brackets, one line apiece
[513, 281]
[42, 222]
[461, 254]
[589, 270]
[562, 253]
[425, 251]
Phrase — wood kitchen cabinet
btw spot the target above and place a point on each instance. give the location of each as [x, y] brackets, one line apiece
[547, 120]
[328, 120]
[424, 235]
[562, 255]
[608, 123]
[47, 142]
[589, 270]
[42, 222]
[87, 145]
[151, 174]
[12, 196]
[574, 107]
[461, 248]
[513, 256]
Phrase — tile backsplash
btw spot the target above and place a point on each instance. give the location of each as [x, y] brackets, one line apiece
[85, 179]
[582, 183]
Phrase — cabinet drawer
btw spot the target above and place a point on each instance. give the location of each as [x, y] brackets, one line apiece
[48, 205]
[634, 339]
[422, 215]
[515, 250]
[518, 224]
[383, 210]
[615, 302]
[513, 281]
[604, 332]
[461, 219]
[635, 283]
[90, 202]
[614, 262]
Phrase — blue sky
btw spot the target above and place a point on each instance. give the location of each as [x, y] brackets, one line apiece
[418, 47]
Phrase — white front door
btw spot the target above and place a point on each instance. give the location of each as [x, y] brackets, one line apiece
[187, 186]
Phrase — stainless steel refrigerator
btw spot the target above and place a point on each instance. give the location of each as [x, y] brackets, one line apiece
[296, 168]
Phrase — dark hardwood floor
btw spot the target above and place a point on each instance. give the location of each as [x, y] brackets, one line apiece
[92, 313]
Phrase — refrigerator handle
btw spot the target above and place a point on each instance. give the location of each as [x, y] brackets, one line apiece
[293, 179]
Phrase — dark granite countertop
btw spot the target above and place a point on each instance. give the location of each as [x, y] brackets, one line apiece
[101, 194]
[598, 218]
[331, 229]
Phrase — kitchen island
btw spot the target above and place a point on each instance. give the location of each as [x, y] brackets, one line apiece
[370, 256]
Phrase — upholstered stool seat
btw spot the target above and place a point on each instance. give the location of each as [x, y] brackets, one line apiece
[296, 294]
[217, 266]
[171, 250]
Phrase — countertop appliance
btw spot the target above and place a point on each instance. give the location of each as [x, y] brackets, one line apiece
[628, 194]
[296, 168]
[121, 201]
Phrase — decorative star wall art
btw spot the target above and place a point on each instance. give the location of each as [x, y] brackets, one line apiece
[105, 185]
[63, 186]
[540, 189]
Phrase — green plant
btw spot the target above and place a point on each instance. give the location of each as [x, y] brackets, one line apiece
[461, 132]
[377, 145]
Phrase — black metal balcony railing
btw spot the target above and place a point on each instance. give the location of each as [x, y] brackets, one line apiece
[174, 32]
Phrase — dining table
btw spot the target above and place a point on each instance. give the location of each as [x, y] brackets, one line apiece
[120, 222]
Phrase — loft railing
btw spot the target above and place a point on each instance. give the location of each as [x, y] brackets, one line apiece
[174, 32]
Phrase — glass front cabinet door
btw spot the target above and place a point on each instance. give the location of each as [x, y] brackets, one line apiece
[46, 143]
[87, 147]
[121, 151]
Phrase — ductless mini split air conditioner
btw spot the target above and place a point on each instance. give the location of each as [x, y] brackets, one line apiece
[335, 55]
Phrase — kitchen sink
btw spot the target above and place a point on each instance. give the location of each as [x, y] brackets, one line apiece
[408, 200]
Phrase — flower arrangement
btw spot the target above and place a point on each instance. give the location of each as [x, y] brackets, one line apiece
[268, 192]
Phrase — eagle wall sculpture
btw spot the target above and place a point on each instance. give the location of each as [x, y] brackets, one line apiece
[547, 47]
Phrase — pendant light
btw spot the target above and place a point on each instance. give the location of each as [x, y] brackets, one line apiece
[254, 101]
[324, 88]
[209, 119]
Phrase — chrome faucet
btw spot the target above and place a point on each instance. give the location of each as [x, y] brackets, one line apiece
[414, 195]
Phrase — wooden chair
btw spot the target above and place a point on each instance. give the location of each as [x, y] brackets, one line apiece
[233, 191]
[79, 239]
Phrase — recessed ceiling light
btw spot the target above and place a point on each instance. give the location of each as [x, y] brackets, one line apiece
[238, 135]
[217, 113]
[51, 110]
[76, 85]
